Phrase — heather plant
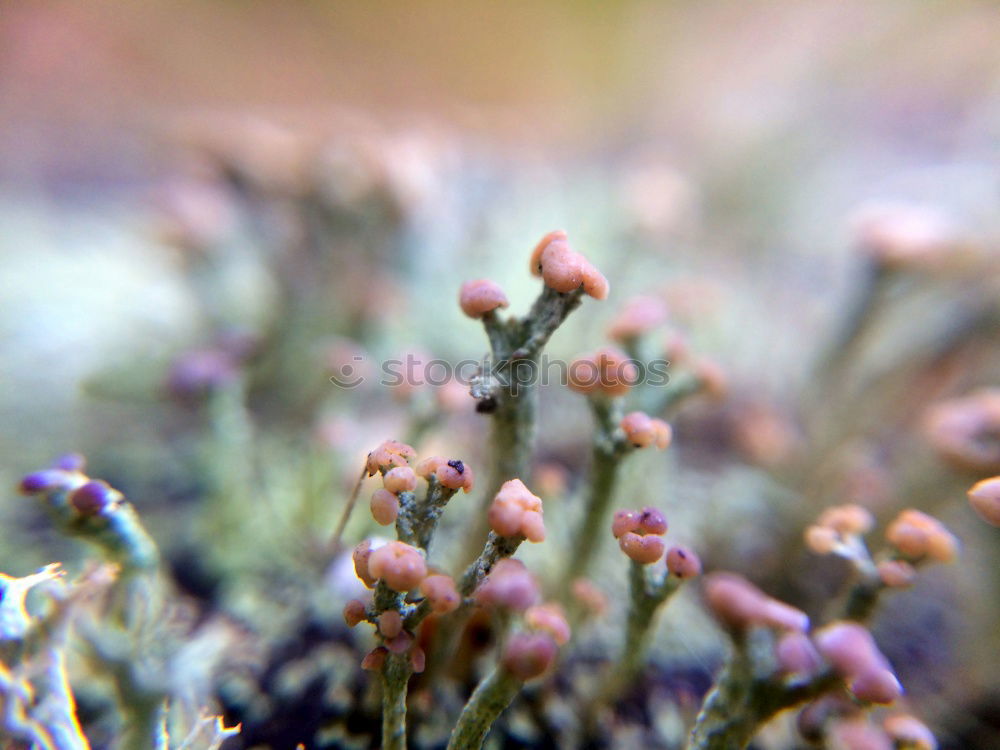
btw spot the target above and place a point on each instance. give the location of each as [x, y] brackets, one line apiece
[492, 579]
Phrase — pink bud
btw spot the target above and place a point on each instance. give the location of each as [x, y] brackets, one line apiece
[400, 479]
[480, 297]
[354, 612]
[645, 550]
[384, 507]
[390, 623]
[374, 659]
[849, 647]
[796, 654]
[878, 685]
[399, 565]
[551, 619]
[418, 659]
[528, 655]
[441, 592]
[683, 562]
[361, 556]
[651, 521]
[985, 500]
[91, 498]
[455, 475]
[623, 522]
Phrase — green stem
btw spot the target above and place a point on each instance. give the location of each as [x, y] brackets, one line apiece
[609, 448]
[395, 675]
[741, 701]
[490, 698]
[510, 391]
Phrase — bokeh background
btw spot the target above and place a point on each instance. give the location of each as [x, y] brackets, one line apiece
[199, 193]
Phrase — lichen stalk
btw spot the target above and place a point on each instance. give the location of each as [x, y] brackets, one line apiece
[609, 448]
[488, 701]
[747, 694]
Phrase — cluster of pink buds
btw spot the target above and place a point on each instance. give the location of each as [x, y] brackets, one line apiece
[640, 534]
[607, 372]
[482, 296]
[918, 537]
[450, 473]
[985, 500]
[564, 270]
[850, 649]
[392, 459]
[642, 430]
[738, 605]
[531, 651]
[838, 531]
[389, 455]
[86, 496]
[515, 511]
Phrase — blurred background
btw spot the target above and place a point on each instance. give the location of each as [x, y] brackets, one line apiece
[208, 208]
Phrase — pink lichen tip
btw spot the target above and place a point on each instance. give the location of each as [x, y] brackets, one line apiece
[47, 480]
[355, 612]
[528, 655]
[480, 297]
[837, 530]
[389, 455]
[390, 624]
[551, 619]
[93, 497]
[851, 651]
[517, 511]
[850, 519]
[384, 507]
[738, 604]
[509, 585]
[400, 479]
[896, 574]
[641, 430]
[918, 536]
[565, 270]
[399, 565]
[374, 659]
[70, 462]
[362, 556]
[440, 591]
[451, 473]
[909, 732]
[606, 372]
[856, 734]
[984, 497]
[644, 550]
[796, 654]
[649, 520]
[683, 562]
[963, 431]
[639, 315]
